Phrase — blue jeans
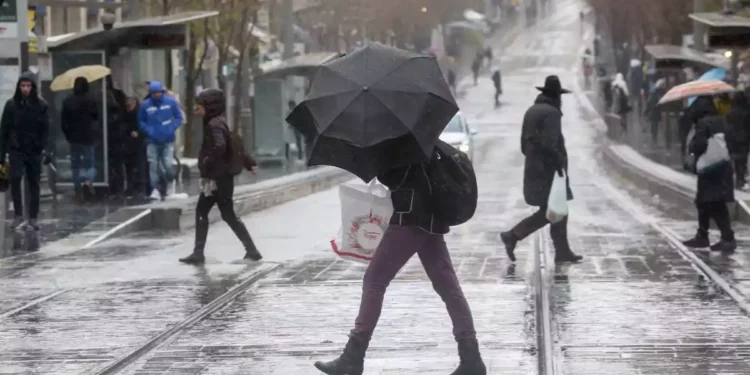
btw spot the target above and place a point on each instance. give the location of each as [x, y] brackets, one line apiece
[160, 157]
[82, 158]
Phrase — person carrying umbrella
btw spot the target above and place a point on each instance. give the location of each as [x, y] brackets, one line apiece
[24, 129]
[715, 187]
[79, 121]
[408, 105]
[219, 161]
[543, 144]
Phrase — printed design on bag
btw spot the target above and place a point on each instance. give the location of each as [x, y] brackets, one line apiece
[365, 232]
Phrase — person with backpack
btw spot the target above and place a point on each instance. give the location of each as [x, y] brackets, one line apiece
[221, 157]
[427, 199]
[543, 145]
[715, 185]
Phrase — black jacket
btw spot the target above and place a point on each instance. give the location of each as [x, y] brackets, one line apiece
[738, 135]
[411, 194]
[24, 127]
[79, 117]
[543, 144]
[718, 185]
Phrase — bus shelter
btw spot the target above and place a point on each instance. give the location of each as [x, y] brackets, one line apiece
[98, 46]
[726, 30]
[274, 88]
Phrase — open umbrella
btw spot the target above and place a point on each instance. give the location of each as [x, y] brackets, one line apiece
[375, 109]
[90, 72]
[715, 74]
[695, 89]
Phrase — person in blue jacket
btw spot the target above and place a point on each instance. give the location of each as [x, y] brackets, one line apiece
[159, 118]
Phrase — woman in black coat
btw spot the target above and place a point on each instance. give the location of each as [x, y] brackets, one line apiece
[715, 187]
[738, 136]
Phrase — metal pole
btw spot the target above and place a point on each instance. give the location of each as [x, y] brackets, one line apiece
[288, 30]
[735, 60]
[699, 30]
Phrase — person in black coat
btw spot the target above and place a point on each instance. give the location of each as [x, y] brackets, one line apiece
[738, 137]
[715, 187]
[543, 144]
[79, 120]
[24, 129]
[136, 164]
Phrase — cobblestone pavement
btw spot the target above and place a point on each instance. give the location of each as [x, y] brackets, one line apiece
[634, 306]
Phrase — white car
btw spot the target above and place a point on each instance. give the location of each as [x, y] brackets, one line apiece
[459, 135]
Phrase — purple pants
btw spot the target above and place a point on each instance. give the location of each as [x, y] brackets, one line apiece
[398, 245]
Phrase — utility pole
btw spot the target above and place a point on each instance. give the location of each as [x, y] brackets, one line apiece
[699, 30]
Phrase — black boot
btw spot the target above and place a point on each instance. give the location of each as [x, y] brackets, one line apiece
[351, 361]
[201, 233]
[510, 241]
[700, 241]
[725, 246]
[240, 230]
[471, 360]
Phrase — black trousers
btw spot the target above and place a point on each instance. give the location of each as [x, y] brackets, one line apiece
[720, 213]
[136, 171]
[740, 170]
[221, 197]
[21, 165]
[537, 220]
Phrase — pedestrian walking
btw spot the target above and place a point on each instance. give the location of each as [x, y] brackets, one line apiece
[489, 55]
[738, 137]
[543, 145]
[475, 66]
[221, 157]
[621, 101]
[24, 128]
[415, 228]
[80, 122]
[116, 139]
[497, 81]
[653, 112]
[136, 164]
[159, 118]
[715, 185]
[452, 80]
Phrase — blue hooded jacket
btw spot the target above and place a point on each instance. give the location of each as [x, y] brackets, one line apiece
[159, 118]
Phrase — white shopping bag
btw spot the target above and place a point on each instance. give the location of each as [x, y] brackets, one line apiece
[365, 213]
[557, 202]
[716, 154]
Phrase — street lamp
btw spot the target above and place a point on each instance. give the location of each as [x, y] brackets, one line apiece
[424, 9]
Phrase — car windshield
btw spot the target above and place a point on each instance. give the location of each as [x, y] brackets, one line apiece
[455, 125]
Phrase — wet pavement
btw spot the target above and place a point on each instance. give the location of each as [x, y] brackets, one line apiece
[634, 306]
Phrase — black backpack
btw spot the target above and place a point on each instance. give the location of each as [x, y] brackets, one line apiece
[236, 150]
[454, 185]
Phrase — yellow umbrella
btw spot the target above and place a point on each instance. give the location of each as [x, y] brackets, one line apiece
[90, 72]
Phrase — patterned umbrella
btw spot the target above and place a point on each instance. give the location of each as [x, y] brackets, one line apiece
[696, 88]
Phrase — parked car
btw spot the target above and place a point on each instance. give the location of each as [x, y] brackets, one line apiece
[459, 135]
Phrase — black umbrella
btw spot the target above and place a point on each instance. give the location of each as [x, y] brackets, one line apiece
[375, 109]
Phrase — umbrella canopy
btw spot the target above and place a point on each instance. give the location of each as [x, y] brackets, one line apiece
[695, 89]
[715, 74]
[375, 109]
[90, 72]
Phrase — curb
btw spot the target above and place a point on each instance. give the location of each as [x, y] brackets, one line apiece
[178, 216]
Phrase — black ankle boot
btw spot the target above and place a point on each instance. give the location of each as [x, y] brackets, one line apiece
[700, 241]
[471, 360]
[567, 257]
[196, 257]
[201, 234]
[510, 241]
[351, 361]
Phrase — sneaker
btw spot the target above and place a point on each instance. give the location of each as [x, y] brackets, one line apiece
[18, 223]
[155, 195]
[568, 257]
[725, 246]
[171, 190]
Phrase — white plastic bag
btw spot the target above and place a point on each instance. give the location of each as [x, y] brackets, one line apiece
[557, 202]
[716, 154]
[365, 213]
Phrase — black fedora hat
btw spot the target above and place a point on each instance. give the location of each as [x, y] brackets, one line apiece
[552, 85]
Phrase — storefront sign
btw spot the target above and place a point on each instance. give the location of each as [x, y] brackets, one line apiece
[8, 20]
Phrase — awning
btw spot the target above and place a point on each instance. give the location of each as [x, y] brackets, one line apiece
[731, 31]
[303, 65]
[718, 19]
[147, 33]
[95, 4]
[672, 56]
